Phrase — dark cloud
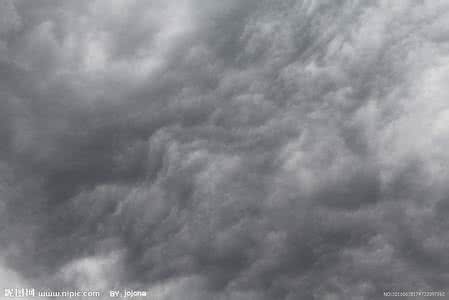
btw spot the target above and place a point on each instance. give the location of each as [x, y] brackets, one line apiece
[237, 150]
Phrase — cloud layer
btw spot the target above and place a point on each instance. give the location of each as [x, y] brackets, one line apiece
[225, 150]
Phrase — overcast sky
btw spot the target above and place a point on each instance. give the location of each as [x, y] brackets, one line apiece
[225, 150]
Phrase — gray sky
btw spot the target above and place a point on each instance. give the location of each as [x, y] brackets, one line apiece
[242, 149]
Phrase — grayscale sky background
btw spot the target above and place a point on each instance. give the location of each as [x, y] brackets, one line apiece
[225, 150]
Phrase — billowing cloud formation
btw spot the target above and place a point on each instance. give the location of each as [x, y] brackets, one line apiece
[225, 149]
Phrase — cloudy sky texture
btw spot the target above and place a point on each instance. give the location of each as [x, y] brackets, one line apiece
[225, 150]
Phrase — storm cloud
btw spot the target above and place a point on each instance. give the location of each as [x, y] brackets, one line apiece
[242, 149]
